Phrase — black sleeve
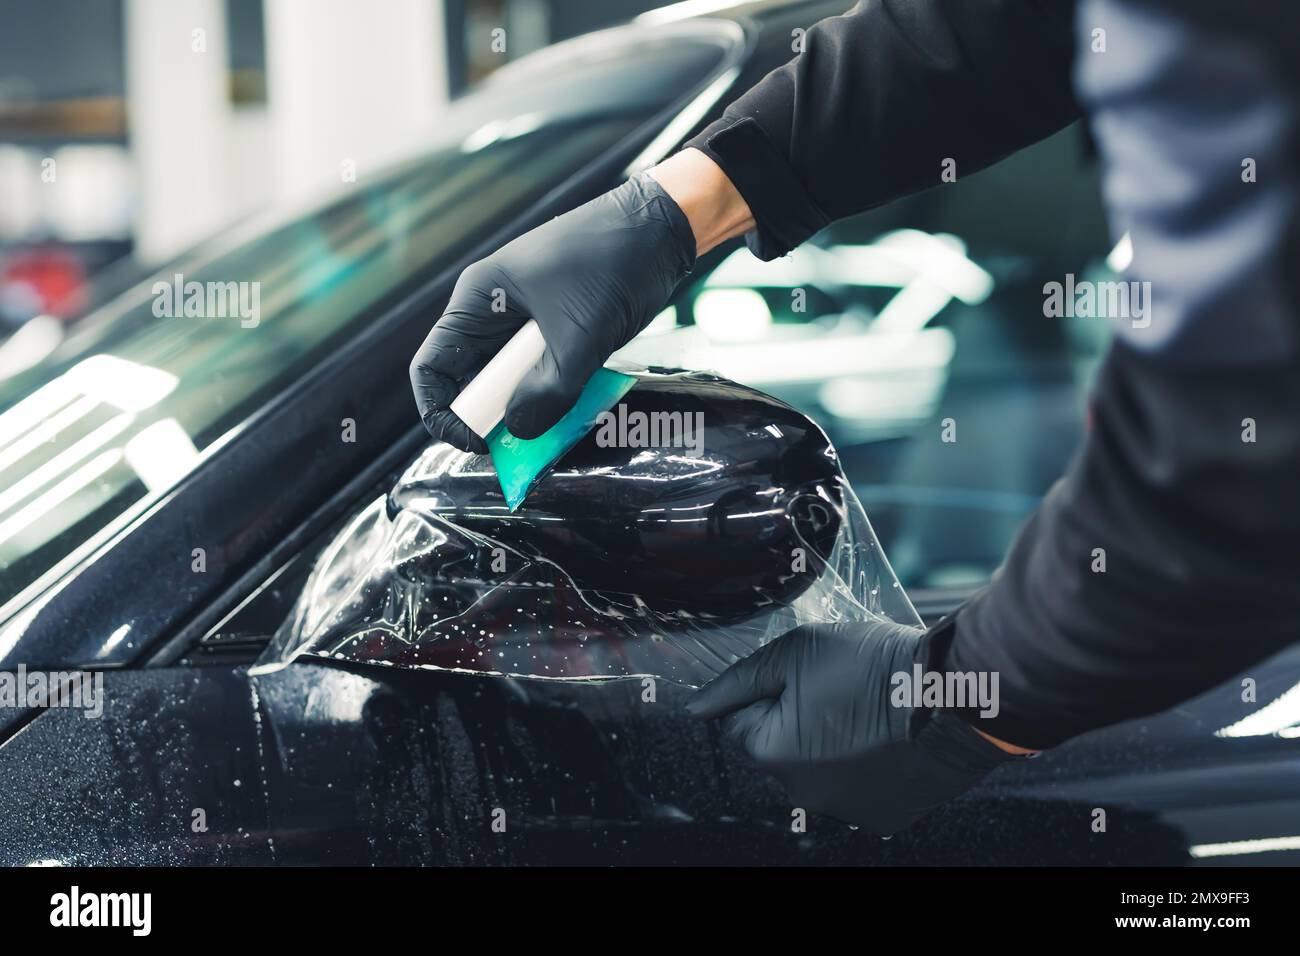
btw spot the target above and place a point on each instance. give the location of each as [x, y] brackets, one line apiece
[1164, 562]
[1168, 558]
[881, 97]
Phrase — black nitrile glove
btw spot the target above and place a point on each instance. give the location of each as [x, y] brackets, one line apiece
[592, 279]
[814, 709]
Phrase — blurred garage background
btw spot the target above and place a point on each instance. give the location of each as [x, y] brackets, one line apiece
[130, 130]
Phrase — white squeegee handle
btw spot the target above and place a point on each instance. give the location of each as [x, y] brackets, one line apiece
[482, 403]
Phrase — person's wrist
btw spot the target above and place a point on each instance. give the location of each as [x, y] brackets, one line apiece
[945, 734]
[714, 208]
[1003, 745]
[932, 652]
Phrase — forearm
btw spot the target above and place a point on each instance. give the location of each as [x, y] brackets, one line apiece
[1165, 562]
[713, 206]
[1161, 565]
[880, 98]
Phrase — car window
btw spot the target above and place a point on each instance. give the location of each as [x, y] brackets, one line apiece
[133, 397]
[916, 335]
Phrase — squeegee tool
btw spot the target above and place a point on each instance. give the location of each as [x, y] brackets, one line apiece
[481, 405]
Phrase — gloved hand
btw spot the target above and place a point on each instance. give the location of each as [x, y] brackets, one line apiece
[814, 708]
[592, 279]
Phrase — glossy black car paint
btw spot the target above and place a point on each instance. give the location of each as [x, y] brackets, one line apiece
[758, 479]
[320, 763]
[672, 557]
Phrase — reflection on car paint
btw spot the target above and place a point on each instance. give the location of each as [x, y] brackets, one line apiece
[320, 763]
[625, 560]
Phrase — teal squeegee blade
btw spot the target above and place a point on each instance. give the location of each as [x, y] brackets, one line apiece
[520, 462]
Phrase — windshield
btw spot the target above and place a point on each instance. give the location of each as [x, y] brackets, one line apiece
[93, 425]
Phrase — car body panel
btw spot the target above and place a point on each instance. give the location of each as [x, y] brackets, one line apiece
[321, 763]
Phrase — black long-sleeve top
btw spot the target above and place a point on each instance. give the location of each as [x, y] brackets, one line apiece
[1188, 481]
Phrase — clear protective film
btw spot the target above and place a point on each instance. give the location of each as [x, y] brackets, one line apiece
[699, 520]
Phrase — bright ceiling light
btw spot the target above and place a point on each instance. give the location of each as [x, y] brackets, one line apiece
[1273, 718]
[1121, 257]
[732, 315]
[1245, 847]
[130, 386]
[79, 480]
[161, 454]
